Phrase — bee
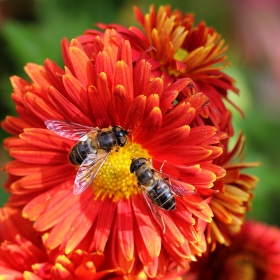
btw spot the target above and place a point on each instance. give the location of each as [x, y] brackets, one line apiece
[92, 149]
[158, 192]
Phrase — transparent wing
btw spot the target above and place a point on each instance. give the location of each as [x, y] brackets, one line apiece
[156, 211]
[67, 129]
[89, 170]
[178, 186]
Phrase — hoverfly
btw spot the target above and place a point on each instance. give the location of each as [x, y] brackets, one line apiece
[158, 192]
[92, 149]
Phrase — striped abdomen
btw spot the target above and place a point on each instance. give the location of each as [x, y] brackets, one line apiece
[161, 195]
[80, 151]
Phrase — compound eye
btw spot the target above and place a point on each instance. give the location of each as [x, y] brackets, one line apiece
[142, 161]
[134, 165]
[122, 141]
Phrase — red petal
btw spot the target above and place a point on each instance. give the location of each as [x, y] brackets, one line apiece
[19, 168]
[99, 106]
[37, 206]
[138, 15]
[177, 254]
[58, 272]
[82, 224]
[141, 77]
[82, 66]
[68, 110]
[40, 108]
[38, 75]
[181, 115]
[152, 102]
[19, 83]
[123, 76]
[197, 100]
[124, 53]
[76, 93]
[148, 228]
[125, 229]
[55, 211]
[167, 100]
[66, 55]
[12, 224]
[150, 126]
[106, 63]
[135, 113]
[14, 125]
[38, 156]
[55, 74]
[180, 84]
[152, 269]
[198, 207]
[189, 155]
[103, 225]
[115, 253]
[168, 138]
[48, 178]
[200, 134]
[102, 97]
[154, 87]
[46, 139]
[185, 222]
[60, 230]
[121, 103]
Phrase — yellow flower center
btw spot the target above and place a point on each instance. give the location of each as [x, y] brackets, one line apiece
[114, 178]
[180, 54]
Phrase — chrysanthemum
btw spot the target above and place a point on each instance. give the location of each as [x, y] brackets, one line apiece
[103, 88]
[253, 255]
[233, 199]
[181, 49]
[23, 255]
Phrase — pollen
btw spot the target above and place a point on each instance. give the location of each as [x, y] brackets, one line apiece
[114, 178]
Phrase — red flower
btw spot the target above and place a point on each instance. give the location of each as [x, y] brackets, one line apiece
[233, 199]
[253, 254]
[103, 88]
[23, 255]
[181, 50]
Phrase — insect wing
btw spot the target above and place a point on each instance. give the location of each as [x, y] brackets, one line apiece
[178, 186]
[157, 212]
[88, 171]
[68, 129]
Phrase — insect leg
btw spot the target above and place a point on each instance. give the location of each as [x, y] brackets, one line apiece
[160, 169]
[162, 222]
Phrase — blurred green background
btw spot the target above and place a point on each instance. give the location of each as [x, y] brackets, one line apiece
[31, 30]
